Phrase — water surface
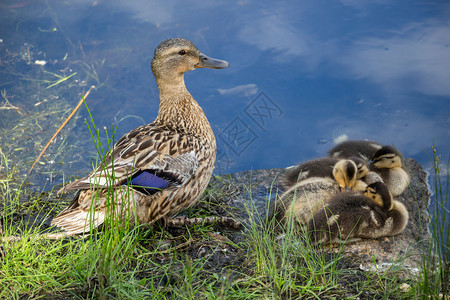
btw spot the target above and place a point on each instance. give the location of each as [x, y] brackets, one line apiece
[302, 75]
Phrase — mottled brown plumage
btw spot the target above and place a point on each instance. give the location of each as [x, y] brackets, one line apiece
[352, 216]
[178, 147]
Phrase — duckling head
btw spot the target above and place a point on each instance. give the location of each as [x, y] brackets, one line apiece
[344, 171]
[174, 57]
[380, 194]
[387, 157]
[361, 165]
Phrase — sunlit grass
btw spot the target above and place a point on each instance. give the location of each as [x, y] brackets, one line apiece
[124, 261]
[435, 280]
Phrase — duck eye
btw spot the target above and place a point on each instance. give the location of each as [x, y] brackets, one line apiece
[182, 52]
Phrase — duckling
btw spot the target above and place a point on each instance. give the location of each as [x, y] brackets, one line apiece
[302, 200]
[387, 162]
[155, 170]
[365, 176]
[358, 148]
[353, 216]
[323, 167]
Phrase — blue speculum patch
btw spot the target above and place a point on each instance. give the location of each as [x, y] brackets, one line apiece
[148, 183]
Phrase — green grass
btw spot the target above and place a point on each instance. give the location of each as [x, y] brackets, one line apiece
[434, 281]
[124, 261]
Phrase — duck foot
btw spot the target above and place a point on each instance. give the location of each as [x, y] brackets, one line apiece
[224, 221]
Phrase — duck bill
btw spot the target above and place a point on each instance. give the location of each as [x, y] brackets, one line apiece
[212, 63]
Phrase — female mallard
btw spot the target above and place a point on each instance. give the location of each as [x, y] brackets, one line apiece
[352, 216]
[158, 169]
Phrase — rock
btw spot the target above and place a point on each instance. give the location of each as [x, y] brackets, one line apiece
[249, 194]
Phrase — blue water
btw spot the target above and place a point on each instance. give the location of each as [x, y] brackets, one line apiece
[301, 75]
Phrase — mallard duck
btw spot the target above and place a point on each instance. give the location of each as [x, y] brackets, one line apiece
[357, 148]
[158, 169]
[326, 167]
[387, 162]
[302, 200]
[352, 216]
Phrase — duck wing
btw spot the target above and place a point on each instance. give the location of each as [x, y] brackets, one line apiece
[149, 158]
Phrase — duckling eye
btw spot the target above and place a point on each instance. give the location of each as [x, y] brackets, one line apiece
[182, 52]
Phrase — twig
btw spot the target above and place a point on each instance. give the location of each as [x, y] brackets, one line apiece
[61, 127]
[8, 105]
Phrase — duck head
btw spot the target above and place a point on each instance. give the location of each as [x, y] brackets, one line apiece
[361, 166]
[380, 194]
[387, 157]
[344, 171]
[174, 57]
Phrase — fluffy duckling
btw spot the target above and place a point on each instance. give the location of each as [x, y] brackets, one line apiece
[352, 216]
[357, 148]
[158, 169]
[365, 176]
[325, 167]
[387, 162]
[302, 200]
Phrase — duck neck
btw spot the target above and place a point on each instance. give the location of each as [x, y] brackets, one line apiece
[179, 110]
[388, 202]
[171, 87]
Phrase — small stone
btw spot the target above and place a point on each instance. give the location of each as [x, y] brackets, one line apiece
[40, 62]
[404, 287]
[164, 245]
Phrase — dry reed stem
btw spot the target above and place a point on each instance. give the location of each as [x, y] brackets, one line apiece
[61, 127]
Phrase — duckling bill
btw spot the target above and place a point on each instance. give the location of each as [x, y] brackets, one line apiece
[159, 169]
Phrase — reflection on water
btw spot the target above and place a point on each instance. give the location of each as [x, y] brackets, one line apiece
[301, 76]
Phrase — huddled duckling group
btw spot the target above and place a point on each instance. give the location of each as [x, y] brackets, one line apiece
[317, 197]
